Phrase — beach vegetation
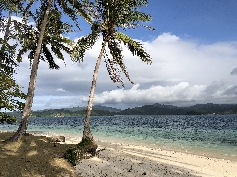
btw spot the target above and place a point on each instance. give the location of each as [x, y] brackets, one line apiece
[72, 155]
[49, 32]
[10, 93]
[109, 16]
[87, 146]
[84, 149]
[29, 99]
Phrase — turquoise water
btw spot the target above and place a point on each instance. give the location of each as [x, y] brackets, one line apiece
[206, 134]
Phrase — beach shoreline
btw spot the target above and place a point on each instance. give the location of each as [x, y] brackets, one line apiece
[150, 160]
[75, 138]
[121, 158]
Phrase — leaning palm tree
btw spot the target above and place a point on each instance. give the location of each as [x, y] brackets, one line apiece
[109, 17]
[26, 112]
[49, 30]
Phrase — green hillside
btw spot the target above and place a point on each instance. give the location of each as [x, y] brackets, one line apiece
[155, 109]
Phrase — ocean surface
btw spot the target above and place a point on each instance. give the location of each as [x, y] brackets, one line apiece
[213, 135]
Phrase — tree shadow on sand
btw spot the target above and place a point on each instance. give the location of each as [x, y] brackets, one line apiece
[33, 156]
[118, 160]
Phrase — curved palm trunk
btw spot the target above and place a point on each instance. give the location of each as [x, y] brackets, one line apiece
[29, 99]
[87, 132]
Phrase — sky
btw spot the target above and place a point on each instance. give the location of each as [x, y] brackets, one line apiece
[194, 61]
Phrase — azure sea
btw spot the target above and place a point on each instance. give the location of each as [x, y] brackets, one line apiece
[213, 135]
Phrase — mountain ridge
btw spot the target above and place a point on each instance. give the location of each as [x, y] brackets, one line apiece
[154, 109]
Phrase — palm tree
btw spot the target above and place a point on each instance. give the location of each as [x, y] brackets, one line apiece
[50, 35]
[110, 16]
[24, 121]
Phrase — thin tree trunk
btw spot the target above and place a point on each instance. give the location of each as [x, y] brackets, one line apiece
[29, 99]
[87, 132]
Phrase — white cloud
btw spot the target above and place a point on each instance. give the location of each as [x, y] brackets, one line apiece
[19, 19]
[167, 38]
[60, 90]
[181, 71]
[155, 94]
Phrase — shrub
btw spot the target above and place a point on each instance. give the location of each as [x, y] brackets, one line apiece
[72, 155]
[83, 150]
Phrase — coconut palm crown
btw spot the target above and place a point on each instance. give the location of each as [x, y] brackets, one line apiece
[109, 17]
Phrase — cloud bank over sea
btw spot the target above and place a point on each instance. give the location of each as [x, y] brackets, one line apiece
[183, 72]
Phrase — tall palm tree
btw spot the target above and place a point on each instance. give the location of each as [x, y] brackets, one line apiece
[26, 112]
[50, 35]
[109, 17]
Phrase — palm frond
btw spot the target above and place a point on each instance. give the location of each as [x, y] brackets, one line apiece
[83, 44]
[116, 52]
[58, 52]
[113, 70]
[72, 8]
[28, 45]
[135, 47]
[49, 58]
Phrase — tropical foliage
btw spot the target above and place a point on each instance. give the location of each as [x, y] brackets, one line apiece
[50, 29]
[108, 20]
[10, 92]
[45, 41]
[53, 38]
[109, 16]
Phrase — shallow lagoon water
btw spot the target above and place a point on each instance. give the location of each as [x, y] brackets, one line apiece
[203, 134]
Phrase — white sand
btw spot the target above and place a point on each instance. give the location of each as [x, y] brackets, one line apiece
[120, 159]
[134, 161]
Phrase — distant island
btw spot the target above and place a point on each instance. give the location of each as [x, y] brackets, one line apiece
[198, 109]
[155, 109]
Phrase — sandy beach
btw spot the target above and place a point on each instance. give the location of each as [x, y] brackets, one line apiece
[127, 160]
[134, 160]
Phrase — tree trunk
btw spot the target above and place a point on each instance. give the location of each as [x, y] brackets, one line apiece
[29, 99]
[87, 132]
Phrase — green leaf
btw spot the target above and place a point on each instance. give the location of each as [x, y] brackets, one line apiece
[135, 47]
[84, 44]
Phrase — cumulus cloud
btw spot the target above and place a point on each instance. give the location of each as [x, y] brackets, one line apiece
[231, 90]
[155, 94]
[213, 88]
[181, 94]
[182, 71]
